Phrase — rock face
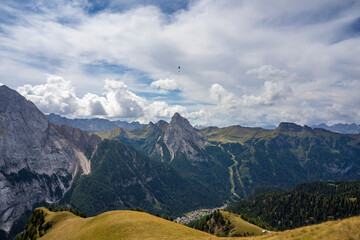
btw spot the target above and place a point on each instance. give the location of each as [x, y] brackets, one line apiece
[38, 160]
[179, 137]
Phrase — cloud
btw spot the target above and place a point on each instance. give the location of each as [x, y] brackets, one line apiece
[120, 102]
[165, 84]
[272, 92]
[58, 96]
[267, 72]
[276, 87]
[267, 60]
[160, 109]
[223, 98]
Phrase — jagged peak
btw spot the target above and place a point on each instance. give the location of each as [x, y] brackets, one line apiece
[177, 119]
[161, 123]
[149, 125]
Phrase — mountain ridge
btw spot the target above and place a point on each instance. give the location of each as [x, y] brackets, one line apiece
[92, 124]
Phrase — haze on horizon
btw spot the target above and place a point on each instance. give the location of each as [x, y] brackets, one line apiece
[252, 63]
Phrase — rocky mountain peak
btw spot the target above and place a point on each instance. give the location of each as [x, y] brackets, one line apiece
[177, 119]
[181, 137]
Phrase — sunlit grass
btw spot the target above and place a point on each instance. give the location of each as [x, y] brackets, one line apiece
[138, 225]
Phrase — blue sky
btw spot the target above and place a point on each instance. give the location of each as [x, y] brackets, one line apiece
[252, 63]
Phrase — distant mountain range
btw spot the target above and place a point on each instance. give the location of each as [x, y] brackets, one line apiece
[352, 128]
[92, 124]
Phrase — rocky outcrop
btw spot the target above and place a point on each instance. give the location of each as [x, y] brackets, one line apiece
[79, 139]
[38, 160]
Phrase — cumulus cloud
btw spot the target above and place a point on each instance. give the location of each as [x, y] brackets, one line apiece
[58, 96]
[165, 84]
[120, 102]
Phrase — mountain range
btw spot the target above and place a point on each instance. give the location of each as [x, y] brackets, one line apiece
[165, 167]
[100, 124]
[343, 128]
[283, 157]
[92, 124]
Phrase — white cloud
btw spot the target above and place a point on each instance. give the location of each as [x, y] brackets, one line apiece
[58, 96]
[165, 84]
[120, 102]
[160, 109]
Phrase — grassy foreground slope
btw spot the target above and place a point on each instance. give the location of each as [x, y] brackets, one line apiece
[117, 225]
[139, 225]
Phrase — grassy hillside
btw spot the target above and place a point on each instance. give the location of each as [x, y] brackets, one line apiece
[235, 134]
[109, 134]
[117, 225]
[139, 225]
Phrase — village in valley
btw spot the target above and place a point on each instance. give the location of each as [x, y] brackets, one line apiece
[197, 214]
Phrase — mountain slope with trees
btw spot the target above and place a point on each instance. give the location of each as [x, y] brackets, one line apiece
[122, 178]
[305, 204]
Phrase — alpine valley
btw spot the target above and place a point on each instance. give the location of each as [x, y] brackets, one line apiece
[166, 167]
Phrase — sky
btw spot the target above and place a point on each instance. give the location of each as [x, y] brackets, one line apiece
[216, 62]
